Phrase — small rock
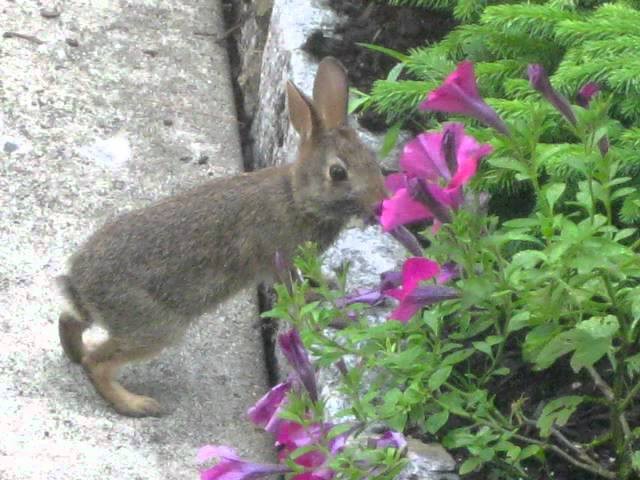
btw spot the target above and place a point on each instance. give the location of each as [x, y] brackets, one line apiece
[72, 42]
[10, 147]
[203, 159]
[185, 159]
[150, 51]
[49, 12]
[167, 122]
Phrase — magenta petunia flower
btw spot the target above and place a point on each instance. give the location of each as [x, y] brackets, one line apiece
[413, 297]
[265, 412]
[586, 94]
[540, 81]
[436, 166]
[292, 435]
[459, 94]
[295, 353]
[231, 467]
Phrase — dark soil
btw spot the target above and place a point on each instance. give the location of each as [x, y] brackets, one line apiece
[363, 21]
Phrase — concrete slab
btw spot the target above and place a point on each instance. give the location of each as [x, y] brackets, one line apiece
[103, 108]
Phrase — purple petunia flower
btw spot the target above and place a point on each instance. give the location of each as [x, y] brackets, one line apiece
[391, 439]
[265, 412]
[295, 353]
[586, 94]
[540, 82]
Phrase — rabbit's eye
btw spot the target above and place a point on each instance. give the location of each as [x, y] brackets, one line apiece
[337, 173]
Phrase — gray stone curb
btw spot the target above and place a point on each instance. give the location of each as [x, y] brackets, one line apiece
[107, 106]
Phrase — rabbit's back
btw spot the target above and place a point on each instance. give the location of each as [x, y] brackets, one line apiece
[187, 253]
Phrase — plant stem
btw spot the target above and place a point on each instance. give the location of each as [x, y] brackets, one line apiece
[630, 396]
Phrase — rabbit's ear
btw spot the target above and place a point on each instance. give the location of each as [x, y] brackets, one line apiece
[331, 92]
[301, 111]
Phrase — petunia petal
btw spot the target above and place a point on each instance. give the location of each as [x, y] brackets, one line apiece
[415, 270]
[263, 411]
[295, 353]
[469, 154]
[459, 94]
[215, 451]
[395, 182]
[391, 439]
[407, 239]
[422, 157]
[402, 209]
[404, 311]
[371, 297]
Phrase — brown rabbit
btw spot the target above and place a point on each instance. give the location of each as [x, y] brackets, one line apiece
[149, 273]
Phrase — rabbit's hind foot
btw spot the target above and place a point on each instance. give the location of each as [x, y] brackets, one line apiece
[102, 366]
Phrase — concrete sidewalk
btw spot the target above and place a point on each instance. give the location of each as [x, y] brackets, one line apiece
[104, 108]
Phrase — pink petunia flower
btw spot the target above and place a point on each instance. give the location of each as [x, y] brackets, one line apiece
[231, 467]
[459, 94]
[436, 166]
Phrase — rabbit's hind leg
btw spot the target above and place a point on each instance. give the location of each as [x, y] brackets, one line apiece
[102, 365]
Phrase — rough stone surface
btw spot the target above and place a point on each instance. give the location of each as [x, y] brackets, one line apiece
[369, 251]
[120, 116]
[253, 18]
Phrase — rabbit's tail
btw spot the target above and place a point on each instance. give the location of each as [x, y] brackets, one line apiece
[72, 324]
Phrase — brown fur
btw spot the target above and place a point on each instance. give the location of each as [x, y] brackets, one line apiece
[149, 273]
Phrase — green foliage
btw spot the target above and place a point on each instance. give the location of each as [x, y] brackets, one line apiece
[553, 293]
[577, 41]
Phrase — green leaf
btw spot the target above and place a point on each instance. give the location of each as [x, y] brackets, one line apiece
[401, 57]
[557, 412]
[510, 164]
[624, 233]
[553, 192]
[390, 139]
[633, 364]
[439, 377]
[457, 357]
[519, 321]
[593, 339]
[558, 346]
[470, 465]
[635, 461]
[339, 430]
[395, 72]
[357, 100]
[398, 421]
[436, 421]
[528, 259]
[483, 347]
[453, 402]
[501, 372]
[529, 451]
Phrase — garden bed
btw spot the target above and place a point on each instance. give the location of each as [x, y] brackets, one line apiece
[357, 22]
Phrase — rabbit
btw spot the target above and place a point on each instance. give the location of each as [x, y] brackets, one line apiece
[148, 274]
